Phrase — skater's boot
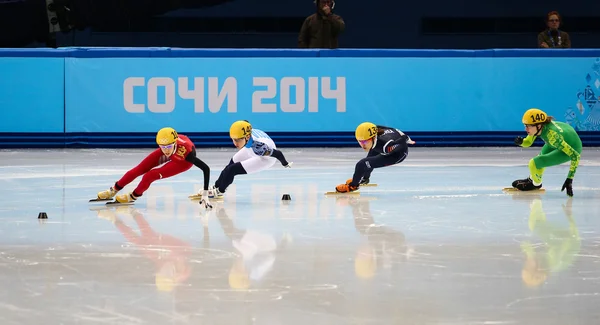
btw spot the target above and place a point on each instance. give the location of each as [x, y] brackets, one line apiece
[126, 198]
[363, 181]
[525, 185]
[108, 194]
[345, 188]
[214, 193]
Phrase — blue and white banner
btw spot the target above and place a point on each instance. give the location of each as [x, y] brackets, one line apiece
[325, 94]
[83, 91]
[32, 95]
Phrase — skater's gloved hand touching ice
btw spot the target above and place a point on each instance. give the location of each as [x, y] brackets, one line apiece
[205, 202]
[569, 186]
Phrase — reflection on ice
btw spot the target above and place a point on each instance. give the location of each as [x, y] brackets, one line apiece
[428, 245]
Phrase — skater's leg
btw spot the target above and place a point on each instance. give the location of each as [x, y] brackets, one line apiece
[365, 166]
[538, 164]
[155, 158]
[548, 157]
[168, 170]
[535, 172]
[546, 149]
[242, 154]
[367, 174]
[151, 161]
[258, 164]
[248, 166]
[227, 175]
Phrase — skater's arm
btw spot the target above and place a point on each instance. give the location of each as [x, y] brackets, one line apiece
[396, 145]
[205, 170]
[262, 149]
[556, 140]
[528, 141]
[279, 155]
[191, 157]
[408, 139]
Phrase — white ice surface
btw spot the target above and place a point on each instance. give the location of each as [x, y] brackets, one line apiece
[436, 242]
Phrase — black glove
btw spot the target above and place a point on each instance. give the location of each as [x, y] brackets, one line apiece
[569, 186]
[518, 141]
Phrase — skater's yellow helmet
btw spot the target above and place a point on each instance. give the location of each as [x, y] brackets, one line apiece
[365, 131]
[534, 116]
[240, 129]
[166, 136]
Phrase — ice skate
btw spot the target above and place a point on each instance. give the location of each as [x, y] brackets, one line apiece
[345, 188]
[525, 185]
[197, 196]
[128, 198]
[106, 195]
[363, 181]
[214, 193]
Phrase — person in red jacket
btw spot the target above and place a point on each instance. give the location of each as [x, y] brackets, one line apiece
[175, 155]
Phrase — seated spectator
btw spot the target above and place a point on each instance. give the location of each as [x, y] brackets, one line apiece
[552, 37]
[321, 29]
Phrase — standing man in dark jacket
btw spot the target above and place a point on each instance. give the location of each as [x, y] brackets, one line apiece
[321, 29]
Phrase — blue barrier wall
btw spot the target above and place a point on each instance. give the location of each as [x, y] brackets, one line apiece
[32, 95]
[119, 97]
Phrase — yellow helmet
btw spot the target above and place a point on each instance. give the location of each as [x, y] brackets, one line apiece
[240, 129]
[166, 136]
[534, 116]
[365, 131]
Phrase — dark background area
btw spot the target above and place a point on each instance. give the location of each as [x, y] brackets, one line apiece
[438, 24]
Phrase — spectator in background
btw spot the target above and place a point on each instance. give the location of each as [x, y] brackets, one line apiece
[321, 29]
[552, 37]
